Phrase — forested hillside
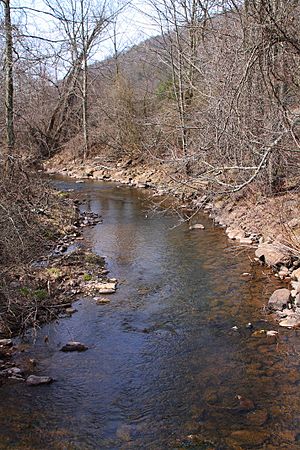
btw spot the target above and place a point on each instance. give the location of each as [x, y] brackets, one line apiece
[214, 96]
[217, 94]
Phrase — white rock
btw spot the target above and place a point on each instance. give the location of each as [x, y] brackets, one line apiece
[296, 274]
[272, 333]
[246, 241]
[291, 321]
[197, 226]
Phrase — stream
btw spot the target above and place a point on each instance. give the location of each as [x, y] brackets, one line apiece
[164, 366]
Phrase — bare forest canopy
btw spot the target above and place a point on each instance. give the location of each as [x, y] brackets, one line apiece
[215, 94]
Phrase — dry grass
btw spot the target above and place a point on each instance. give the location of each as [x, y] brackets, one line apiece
[32, 217]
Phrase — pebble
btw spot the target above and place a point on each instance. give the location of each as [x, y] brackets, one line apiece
[70, 310]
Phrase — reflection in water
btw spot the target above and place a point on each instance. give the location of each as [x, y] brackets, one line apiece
[163, 361]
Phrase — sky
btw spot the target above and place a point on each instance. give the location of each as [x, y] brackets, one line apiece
[134, 24]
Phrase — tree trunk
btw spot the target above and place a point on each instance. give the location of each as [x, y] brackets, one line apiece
[9, 84]
[84, 85]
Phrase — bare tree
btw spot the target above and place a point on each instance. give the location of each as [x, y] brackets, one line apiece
[9, 83]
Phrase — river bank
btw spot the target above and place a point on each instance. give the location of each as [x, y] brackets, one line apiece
[271, 226]
[44, 289]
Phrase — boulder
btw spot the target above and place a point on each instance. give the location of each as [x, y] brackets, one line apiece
[235, 234]
[296, 274]
[271, 255]
[74, 346]
[279, 299]
[197, 226]
[34, 380]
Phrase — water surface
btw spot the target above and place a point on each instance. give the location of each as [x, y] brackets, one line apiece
[163, 362]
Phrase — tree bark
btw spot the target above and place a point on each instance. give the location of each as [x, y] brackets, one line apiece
[9, 83]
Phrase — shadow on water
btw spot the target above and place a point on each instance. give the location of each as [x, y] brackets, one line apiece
[164, 366]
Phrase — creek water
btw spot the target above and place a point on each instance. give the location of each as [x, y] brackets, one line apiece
[164, 366]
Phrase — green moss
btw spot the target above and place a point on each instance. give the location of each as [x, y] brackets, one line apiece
[40, 294]
[91, 258]
[63, 194]
[87, 277]
[25, 291]
[54, 272]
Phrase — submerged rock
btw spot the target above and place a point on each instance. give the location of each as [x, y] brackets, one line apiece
[74, 346]
[279, 299]
[246, 404]
[34, 380]
[249, 438]
[258, 418]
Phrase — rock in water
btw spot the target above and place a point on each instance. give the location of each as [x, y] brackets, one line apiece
[249, 438]
[272, 333]
[197, 226]
[279, 299]
[101, 301]
[73, 346]
[246, 404]
[291, 322]
[70, 310]
[34, 380]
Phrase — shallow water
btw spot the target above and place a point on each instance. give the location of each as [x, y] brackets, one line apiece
[163, 361]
